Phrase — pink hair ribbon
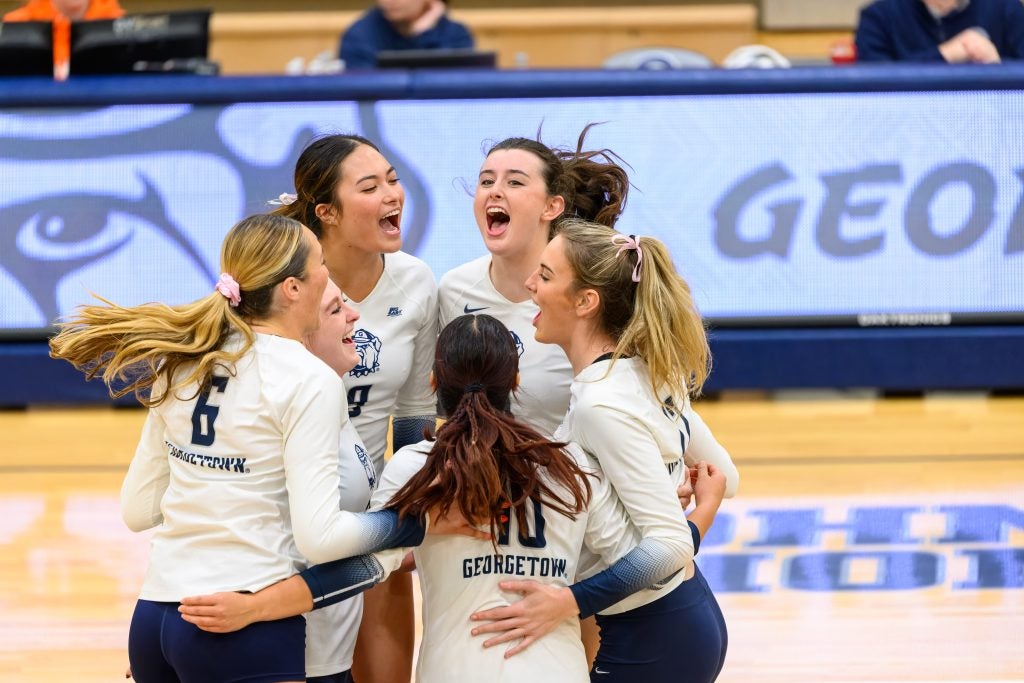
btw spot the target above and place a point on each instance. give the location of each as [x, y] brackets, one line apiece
[631, 242]
[227, 286]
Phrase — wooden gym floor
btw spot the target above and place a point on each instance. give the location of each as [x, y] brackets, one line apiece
[872, 540]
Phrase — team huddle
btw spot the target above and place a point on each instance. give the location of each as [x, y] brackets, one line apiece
[556, 488]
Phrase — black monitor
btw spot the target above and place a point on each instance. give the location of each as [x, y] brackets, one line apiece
[442, 58]
[136, 42]
[26, 48]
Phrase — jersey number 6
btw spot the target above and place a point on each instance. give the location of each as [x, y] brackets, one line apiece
[201, 437]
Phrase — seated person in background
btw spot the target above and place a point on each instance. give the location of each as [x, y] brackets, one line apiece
[62, 13]
[955, 31]
[401, 25]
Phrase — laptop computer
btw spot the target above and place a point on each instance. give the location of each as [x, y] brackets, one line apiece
[442, 58]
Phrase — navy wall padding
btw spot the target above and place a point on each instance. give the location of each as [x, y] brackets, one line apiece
[28, 376]
[899, 359]
[90, 91]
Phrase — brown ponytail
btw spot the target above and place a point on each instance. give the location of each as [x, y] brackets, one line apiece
[483, 461]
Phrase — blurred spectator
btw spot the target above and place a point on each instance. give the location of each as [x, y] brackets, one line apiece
[955, 31]
[62, 13]
[401, 25]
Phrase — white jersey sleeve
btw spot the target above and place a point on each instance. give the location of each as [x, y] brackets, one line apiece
[333, 583]
[148, 476]
[323, 531]
[416, 397]
[331, 631]
[609, 534]
[631, 461]
[398, 470]
[704, 446]
[639, 448]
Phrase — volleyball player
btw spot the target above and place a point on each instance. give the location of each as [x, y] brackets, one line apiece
[331, 632]
[627, 322]
[237, 464]
[351, 198]
[523, 190]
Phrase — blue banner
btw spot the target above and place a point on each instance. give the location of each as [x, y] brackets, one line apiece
[883, 208]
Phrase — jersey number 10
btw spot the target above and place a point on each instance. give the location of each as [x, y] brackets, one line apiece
[537, 540]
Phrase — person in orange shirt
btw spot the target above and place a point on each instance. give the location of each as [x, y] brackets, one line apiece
[62, 13]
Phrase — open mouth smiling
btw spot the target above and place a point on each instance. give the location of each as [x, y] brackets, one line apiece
[391, 221]
[497, 220]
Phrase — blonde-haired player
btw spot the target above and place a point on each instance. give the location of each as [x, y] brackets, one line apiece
[237, 465]
[628, 324]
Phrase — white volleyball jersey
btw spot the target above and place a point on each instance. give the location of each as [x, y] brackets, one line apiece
[395, 336]
[242, 478]
[459, 576]
[643, 450]
[331, 631]
[544, 371]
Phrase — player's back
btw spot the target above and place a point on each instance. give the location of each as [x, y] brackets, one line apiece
[460, 575]
[226, 485]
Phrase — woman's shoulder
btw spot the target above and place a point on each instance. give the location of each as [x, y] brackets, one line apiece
[410, 275]
[619, 390]
[468, 280]
[288, 362]
[610, 379]
[400, 468]
[467, 274]
[400, 263]
[415, 453]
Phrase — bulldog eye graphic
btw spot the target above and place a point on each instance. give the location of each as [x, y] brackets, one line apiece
[45, 239]
[72, 235]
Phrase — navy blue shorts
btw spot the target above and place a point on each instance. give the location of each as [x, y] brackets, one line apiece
[679, 637]
[343, 677]
[164, 648]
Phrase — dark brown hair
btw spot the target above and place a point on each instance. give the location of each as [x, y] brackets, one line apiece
[484, 461]
[593, 183]
[317, 174]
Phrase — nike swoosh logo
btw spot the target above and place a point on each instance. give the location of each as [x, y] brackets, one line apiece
[467, 310]
[601, 673]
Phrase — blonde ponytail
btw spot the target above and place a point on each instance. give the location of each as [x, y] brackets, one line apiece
[133, 348]
[646, 306]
